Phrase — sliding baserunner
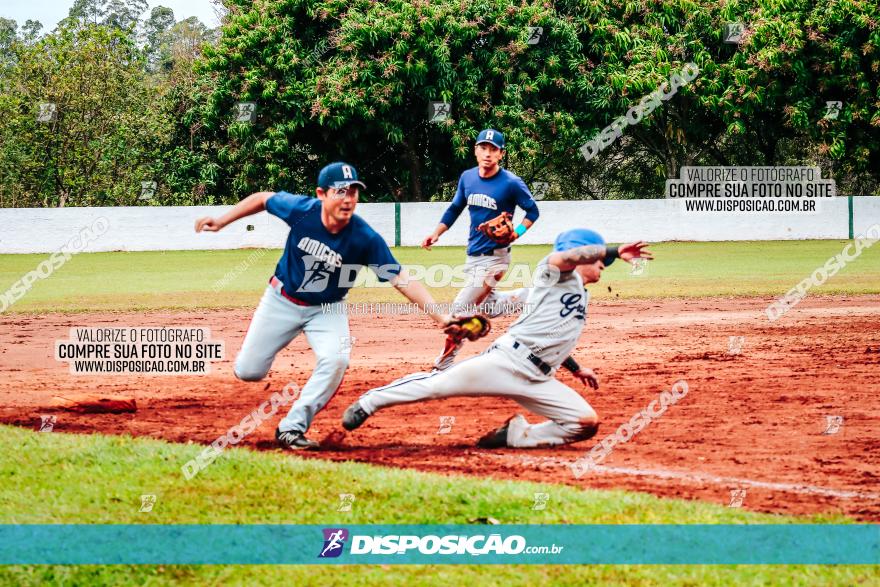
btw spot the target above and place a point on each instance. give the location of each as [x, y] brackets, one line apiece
[521, 365]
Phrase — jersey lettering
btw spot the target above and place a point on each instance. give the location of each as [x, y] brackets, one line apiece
[320, 251]
[482, 200]
[571, 303]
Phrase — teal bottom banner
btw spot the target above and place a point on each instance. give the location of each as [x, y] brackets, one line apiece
[440, 544]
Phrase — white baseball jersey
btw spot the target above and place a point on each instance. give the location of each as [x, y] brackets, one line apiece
[553, 316]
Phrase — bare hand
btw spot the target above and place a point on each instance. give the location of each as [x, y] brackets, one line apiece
[208, 224]
[429, 240]
[588, 378]
[636, 250]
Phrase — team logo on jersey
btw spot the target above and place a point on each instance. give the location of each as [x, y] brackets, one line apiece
[319, 262]
[334, 541]
[482, 200]
[572, 303]
[316, 276]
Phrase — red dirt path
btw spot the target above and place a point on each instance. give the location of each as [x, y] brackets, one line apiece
[753, 421]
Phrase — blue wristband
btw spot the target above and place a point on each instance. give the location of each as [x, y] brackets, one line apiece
[520, 230]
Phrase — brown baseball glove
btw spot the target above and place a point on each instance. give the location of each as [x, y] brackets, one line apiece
[461, 329]
[499, 229]
[469, 327]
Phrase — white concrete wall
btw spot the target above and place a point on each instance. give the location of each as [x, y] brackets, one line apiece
[41, 230]
[866, 212]
[652, 220]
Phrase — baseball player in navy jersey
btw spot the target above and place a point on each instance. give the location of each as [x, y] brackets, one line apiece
[488, 191]
[326, 239]
[521, 364]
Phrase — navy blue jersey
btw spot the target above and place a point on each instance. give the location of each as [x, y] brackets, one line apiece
[318, 266]
[486, 198]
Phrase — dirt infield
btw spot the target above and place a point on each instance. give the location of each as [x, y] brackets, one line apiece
[756, 421]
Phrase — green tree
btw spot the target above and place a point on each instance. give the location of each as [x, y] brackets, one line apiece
[121, 14]
[354, 81]
[30, 31]
[124, 14]
[88, 11]
[759, 103]
[99, 140]
[185, 166]
[8, 34]
[797, 57]
[156, 30]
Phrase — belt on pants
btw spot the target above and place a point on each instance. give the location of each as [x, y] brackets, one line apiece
[535, 360]
[275, 283]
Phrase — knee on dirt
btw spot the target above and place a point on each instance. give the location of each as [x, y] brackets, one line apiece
[585, 428]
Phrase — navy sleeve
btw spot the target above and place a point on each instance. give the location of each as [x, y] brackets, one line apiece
[524, 200]
[456, 207]
[286, 206]
[380, 259]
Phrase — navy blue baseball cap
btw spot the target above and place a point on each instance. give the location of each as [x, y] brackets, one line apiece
[339, 175]
[581, 237]
[491, 136]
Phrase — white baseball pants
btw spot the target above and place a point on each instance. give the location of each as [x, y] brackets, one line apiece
[504, 372]
[276, 322]
[479, 269]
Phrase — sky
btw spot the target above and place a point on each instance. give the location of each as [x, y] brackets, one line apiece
[49, 12]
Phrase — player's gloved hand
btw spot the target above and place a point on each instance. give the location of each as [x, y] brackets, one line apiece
[636, 250]
[588, 378]
[208, 224]
[499, 229]
[468, 327]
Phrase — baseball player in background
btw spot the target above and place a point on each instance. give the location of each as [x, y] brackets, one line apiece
[491, 195]
[326, 240]
[521, 364]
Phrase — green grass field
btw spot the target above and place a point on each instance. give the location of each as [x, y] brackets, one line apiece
[57, 478]
[99, 479]
[185, 279]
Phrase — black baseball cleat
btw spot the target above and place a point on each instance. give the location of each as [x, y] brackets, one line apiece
[354, 416]
[495, 439]
[295, 440]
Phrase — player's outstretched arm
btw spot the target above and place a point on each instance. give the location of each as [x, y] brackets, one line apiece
[452, 213]
[568, 260]
[252, 204]
[415, 292]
